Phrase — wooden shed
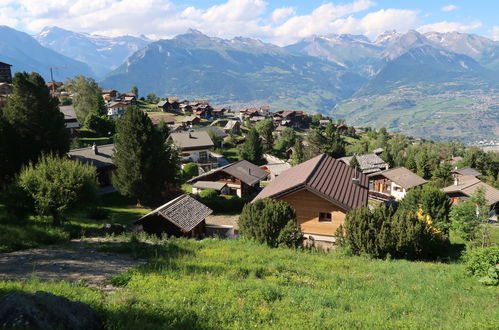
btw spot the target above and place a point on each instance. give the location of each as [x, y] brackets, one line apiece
[183, 216]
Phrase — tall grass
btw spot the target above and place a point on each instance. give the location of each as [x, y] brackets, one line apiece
[213, 284]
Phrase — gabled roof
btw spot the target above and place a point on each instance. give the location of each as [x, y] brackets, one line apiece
[243, 170]
[209, 185]
[189, 118]
[467, 186]
[192, 140]
[184, 212]
[324, 176]
[68, 111]
[401, 176]
[117, 105]
[103, 158]
[275, 165]
[162, 103]
[368, 163]
[467, 171]
[230, 124]
[5, 64]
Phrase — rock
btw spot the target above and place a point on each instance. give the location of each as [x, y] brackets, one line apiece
[44, 310]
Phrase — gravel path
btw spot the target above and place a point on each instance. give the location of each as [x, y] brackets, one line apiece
[74, 262]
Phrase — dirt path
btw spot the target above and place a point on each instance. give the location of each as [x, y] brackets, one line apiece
[74, 262]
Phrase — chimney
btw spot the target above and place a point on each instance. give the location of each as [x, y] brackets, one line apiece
[456, 180]
[95, 149]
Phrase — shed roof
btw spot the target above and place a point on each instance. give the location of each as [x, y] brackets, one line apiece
[243, 170]
[401, 176]
[103, 158]
[468, 184]
[184, 211]
[192, 140]
[209, 185]
[325, 176]
[68, 111]
[368, 163]
[467, 171]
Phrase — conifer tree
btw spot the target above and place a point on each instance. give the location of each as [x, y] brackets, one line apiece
[251, 150]
[354, 163]
[266, 130]
[144, 162]
[33, 122]
[298, 155]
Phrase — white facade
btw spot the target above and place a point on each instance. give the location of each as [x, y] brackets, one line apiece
[397, 191]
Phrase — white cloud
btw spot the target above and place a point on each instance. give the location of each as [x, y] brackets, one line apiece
[251, 18]
[449, 8]
[281, 13]
[445, 26]
[494, 32]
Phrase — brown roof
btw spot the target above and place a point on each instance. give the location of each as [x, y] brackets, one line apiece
[243, 170]
[467, 171]
[401, 176]
[192, 140]
[468, 184]
[103, 158]
[157, 120]
[184, 211]
[324, 176]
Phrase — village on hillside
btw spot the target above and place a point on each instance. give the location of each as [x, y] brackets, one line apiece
[105, 164]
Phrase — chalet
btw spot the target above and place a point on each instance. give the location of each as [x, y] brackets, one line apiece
[214, 131]
[220, 187]
[465, 186]
[274, 166]
[183, 216]
[116, 109]
[242, 177]
[169, 120]
[184, 106]
[219, 113]
[171, 104]
[393, 184]
[249, 113]
[368, 163]
[194, 147]
[70, 120]
[297, 119]
[111, 93]
[5, 73]
[100, 157]
[191, 121]
[233, 126]
[322, 190]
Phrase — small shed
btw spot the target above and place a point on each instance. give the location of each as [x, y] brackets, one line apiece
[220, 187]
[183, 216]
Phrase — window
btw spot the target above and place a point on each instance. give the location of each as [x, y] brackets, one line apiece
[325, 217]
[203, 155]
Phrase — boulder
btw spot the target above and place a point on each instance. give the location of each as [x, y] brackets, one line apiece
[43, 310]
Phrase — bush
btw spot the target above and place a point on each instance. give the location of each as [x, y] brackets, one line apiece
[208, 194]
[189, 171]
[270, 221]
[224, 203]
[380, 233]
[479, 260]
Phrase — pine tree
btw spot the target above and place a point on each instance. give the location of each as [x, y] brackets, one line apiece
[423, 164]
[143, 160]
[298, 155]
[266, 130]
[354, 163]
[251, 150]
[33, 122]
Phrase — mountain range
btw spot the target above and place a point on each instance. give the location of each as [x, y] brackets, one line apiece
[442, 85]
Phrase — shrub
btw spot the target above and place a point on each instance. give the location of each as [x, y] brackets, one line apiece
[380, 233]
[208, 194]
[57, 184]
[189, 171]
[270, 221]
[224, 203]
[479, 260]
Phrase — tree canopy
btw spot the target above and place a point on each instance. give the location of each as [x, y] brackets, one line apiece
[251, 150]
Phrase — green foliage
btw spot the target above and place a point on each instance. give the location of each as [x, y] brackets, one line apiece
[479, 260]
[266, 130]
[251, 150]
[432, 202]
[103, 125]
[265, 219]
[423, 168]
[15, 237]
[208, 194]
[379, 233]
[57, 185]
[189, 171]
[468, 216]
[30, 124]
[354, 163]
[152, 98]
[144, 161]
[442, 175]
[286, 140]
[135, 90]
[87, 97]
[223, 204]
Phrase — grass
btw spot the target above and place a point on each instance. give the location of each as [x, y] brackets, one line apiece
[213, 284]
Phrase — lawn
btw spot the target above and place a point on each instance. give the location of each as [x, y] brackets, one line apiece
[213, 284]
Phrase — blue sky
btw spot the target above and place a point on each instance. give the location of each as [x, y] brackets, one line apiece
[277, 21]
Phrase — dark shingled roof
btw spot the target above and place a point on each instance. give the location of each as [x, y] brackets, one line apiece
[243, 170]
[192, 140]
[103, 158]
[467, 171]
[185, 212]
[368, 163]
[325, 176]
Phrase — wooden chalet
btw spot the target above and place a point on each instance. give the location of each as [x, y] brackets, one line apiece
[322, 190]
[233, 126]
[195, 147]
[293, 118]
[100, 157]
[465, 186]
[191, 121]
[171, 104]
[393, 184]
[183, 216]
[242, 177]
[5, 73]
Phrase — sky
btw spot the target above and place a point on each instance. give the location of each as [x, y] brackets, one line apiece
[278, 21]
